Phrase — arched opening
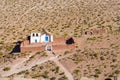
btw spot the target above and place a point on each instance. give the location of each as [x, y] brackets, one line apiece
[33, 34]
[36, 41]
[48, 47]
[46, 38]
[37, 34]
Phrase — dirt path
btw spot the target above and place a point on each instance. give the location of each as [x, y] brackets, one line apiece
[19, 65]
[67, 73]
[14, 65]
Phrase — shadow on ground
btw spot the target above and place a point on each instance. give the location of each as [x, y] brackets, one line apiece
[16, 49]
[70, 41]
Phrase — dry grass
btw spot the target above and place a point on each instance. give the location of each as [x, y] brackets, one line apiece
[48, 70]
[62, 18]
[98, 59]
[19, 18]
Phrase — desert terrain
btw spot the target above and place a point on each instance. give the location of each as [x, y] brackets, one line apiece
[96, 55]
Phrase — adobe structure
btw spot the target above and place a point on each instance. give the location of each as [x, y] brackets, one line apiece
[94, 32]
[46, 42]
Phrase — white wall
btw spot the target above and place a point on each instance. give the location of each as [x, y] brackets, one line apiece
[33, 38]
[43, 38]
[51, 38]
[40, 38]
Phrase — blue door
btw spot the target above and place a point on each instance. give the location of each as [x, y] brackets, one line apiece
[35, 40]
[46, 38]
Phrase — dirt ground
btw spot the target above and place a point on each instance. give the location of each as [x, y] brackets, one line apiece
[95, 55]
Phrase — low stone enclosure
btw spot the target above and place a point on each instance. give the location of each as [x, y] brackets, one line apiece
[60, 43]
[94, 32]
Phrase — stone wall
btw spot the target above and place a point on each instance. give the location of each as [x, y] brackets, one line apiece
[58, 44]
[42, 48]
[27, 49]
[94, 32]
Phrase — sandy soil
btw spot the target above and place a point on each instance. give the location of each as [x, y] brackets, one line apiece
[94, 56]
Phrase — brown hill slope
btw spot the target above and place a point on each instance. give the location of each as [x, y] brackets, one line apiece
[62, 17]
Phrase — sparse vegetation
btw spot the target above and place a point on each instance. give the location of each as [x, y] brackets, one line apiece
[6, 69]
[98, 54]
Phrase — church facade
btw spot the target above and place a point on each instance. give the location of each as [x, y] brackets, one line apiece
[37, 37]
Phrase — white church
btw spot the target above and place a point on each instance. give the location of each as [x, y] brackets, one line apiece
[38, 37]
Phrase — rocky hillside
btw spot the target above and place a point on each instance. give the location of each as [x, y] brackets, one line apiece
[95, 55]
[61, 17]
